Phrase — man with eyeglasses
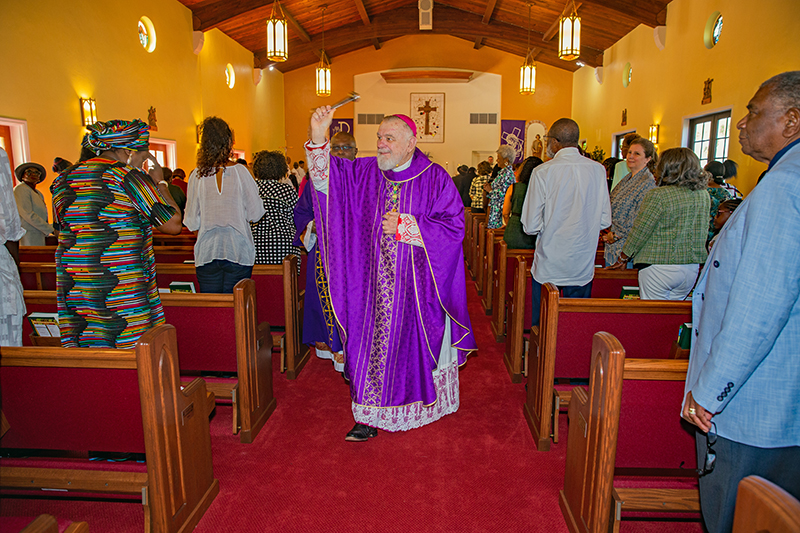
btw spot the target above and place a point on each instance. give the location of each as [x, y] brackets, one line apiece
[344, 145]
[319, 323]
[743, 384]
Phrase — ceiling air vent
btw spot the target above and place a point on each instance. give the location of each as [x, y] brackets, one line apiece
[426, 14]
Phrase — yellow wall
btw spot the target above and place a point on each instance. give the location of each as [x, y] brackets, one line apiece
[758, 41]
[57, 52]
[551, 101]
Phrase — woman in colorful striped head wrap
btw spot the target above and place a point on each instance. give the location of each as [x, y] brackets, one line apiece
[106, 207]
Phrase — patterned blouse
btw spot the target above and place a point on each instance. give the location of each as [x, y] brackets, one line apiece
[505, 179]
[626, 198]
[476, 191]
[274, 233]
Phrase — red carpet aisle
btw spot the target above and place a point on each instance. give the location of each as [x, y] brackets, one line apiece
[475, 470]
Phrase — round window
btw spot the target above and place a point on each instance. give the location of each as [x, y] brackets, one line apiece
[230, 76]
[627, 74]
[713, 30]
[147, 34]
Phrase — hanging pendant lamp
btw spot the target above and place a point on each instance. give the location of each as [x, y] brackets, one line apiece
[277, 36]
[324, 67]
[527, 72]
[569, 36]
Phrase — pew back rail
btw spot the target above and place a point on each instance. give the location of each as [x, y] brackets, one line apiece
[178, 485]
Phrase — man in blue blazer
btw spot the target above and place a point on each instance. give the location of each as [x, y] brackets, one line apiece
[743, 385]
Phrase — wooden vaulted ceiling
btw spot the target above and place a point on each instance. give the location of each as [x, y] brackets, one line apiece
[354, 24]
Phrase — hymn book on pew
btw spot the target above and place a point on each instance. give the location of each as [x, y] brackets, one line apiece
[629, 293]
[182, 286]
[685, 336]
[45, 324]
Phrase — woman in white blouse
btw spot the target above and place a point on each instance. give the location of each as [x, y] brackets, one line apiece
[222, 201]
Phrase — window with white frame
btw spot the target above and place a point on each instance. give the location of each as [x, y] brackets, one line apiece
[709, 137]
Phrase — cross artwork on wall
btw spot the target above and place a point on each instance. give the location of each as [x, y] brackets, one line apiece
[427, 110]
[512, 133]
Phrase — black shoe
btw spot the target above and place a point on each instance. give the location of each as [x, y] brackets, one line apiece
[361, 433]
[347, 381]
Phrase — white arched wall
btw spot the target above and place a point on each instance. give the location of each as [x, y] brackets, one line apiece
[461, 139]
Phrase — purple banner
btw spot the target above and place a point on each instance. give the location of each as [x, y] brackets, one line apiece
[512, 133]
[341, 124]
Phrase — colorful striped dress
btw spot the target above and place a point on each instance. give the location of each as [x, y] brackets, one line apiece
[105, 267]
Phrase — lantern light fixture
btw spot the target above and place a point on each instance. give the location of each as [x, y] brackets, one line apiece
[569, 36]
[88, 111]
[277, 36]
[654, 133]
[324, 67]
[527, 72]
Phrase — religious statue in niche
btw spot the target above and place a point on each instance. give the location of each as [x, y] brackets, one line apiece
[537, 146]
[707, 91]
[427, 110]
[625, 117]
[152, 121]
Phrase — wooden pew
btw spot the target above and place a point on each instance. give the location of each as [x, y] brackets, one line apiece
[480, 250]
[467, 226]
[472, 263]
[503, 279]
[38, 276]
[564, 336]
[164, 254]
[280, 294]
[650, 445]
[90, 399]
[47, 524]
[764, 506]
[215, 333]
[518, 313]
[491, 253]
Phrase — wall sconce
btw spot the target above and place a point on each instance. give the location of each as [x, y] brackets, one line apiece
[88, 111]
[654, 133]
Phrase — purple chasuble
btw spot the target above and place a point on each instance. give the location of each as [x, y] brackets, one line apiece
[391, 298]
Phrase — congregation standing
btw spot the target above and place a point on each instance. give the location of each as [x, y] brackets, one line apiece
[685, 229]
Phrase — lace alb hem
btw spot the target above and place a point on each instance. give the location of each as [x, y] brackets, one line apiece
[414, 415]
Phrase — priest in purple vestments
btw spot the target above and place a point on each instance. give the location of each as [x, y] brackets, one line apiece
[390, 230]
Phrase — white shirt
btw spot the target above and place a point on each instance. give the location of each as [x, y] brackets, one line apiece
[223, 217]
[567, 205]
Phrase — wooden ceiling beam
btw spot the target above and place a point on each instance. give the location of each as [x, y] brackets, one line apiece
[553, 29]
[405, 21]
[362, 11]
[478, 43]
[640, 11]
[296, 25]
[213, 14]
[487, 16]
[376, 43]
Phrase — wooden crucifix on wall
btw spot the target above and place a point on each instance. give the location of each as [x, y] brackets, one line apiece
[427, 110]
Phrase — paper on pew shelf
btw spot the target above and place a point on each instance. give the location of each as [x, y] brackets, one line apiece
[629, 293]
[181, 286]
[45, 324]
[188, 261]
[163, 290]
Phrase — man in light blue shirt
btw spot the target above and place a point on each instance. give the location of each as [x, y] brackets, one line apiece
[743, 384]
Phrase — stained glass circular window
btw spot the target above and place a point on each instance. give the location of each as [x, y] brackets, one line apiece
[147, 34]
[717, 31]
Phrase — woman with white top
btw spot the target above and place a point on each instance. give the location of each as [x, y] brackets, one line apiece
[222, 201]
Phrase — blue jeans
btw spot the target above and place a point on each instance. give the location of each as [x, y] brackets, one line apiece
[567, 291]
[220, 275]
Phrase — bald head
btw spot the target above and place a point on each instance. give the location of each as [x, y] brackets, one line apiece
[566, 132]
[344, 145]
[400, 124]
